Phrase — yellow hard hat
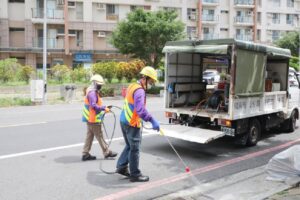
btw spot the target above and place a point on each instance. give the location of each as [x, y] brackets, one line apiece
[150, 72]
[98, 79]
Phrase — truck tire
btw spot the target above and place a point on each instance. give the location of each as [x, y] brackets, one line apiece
[254, 132]
[289, 125]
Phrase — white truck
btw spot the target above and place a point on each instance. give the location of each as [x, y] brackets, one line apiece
[256, 92]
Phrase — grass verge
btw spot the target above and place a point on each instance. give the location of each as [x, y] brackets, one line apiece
[6, 102]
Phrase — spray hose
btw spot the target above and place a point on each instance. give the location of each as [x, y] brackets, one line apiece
[161, 131]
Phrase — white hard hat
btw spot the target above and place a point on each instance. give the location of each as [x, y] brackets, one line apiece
[98, 79]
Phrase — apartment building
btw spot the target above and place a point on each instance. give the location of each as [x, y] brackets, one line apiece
[78, 30]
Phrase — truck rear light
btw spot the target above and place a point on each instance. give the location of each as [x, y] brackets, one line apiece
[170, 115]
[224, 122]
[228, 123]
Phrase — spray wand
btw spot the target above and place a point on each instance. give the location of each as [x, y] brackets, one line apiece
[187, 168]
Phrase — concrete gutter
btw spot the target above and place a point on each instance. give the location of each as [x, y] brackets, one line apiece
[247, 185]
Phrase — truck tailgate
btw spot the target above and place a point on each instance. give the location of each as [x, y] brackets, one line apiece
[191, 134]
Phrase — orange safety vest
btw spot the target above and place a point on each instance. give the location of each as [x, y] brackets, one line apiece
[129, 115]
[89, 114]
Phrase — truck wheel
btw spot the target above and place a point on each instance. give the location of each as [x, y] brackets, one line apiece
[253, 132]
[291, 123]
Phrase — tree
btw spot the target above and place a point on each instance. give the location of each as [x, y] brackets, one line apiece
[294, 63]
[144, 34]
[290, 41]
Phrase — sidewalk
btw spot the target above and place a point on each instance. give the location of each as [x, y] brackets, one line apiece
[247, 185]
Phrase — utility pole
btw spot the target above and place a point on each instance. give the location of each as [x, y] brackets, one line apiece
[45, 53]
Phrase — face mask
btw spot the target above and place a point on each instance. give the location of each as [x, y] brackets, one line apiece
[99, 87]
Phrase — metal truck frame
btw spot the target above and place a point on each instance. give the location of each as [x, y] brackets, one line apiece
[255, 93]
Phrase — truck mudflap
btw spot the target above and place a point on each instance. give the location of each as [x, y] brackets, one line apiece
[192, 134]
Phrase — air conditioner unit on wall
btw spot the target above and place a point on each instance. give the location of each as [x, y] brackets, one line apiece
[100, 6]
[101, 34]
[192, 17]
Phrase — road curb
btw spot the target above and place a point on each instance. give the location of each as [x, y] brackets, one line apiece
[246, 185]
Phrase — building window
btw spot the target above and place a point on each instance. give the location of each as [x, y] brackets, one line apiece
[16, 1]
[111, 9]
[191, 14]
[289, 19]
[275, 35]
[276, 18]
[133, 8]
[223, 29]
[71, 4]
[16, 29]
[191, 32]
[258, 17]
[290, 3]
[147, 7]
[208, 15]
[258, 34]
[224, 11]
[276, 3]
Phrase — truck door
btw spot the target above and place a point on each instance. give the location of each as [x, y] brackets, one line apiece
[294, 91]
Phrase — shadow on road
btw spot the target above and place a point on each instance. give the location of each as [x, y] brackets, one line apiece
[109, 181]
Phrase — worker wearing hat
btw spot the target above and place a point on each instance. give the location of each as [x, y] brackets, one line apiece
[93, 113]
[134, 111]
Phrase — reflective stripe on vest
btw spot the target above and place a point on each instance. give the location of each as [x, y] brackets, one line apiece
[89, 114]
[129, 115]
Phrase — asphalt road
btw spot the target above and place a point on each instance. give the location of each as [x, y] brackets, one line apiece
[40, 157]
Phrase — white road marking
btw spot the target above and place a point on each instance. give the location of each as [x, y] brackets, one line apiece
[22, 124]
[59, 148]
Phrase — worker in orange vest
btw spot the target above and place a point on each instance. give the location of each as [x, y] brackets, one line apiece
[93, 113]
[134, 111]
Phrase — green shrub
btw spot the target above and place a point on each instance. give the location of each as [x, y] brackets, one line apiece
[154, 90]
[105, 69]
[120, 70]
[8, 69]
[107, 92]
[60, 72]
[136, 66]
[79, 74]
[25, 73]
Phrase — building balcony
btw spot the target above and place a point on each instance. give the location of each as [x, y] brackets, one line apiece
[243, 20]
[54, 16]
[244, 3]
[244, 37]
[52, 43]
[210, 19]
[210, 36]
[210, 2]
[112, 17]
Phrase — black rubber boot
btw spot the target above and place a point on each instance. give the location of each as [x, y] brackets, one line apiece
[123, 171]
[87, 157]
[111, 154]
[139, 178]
